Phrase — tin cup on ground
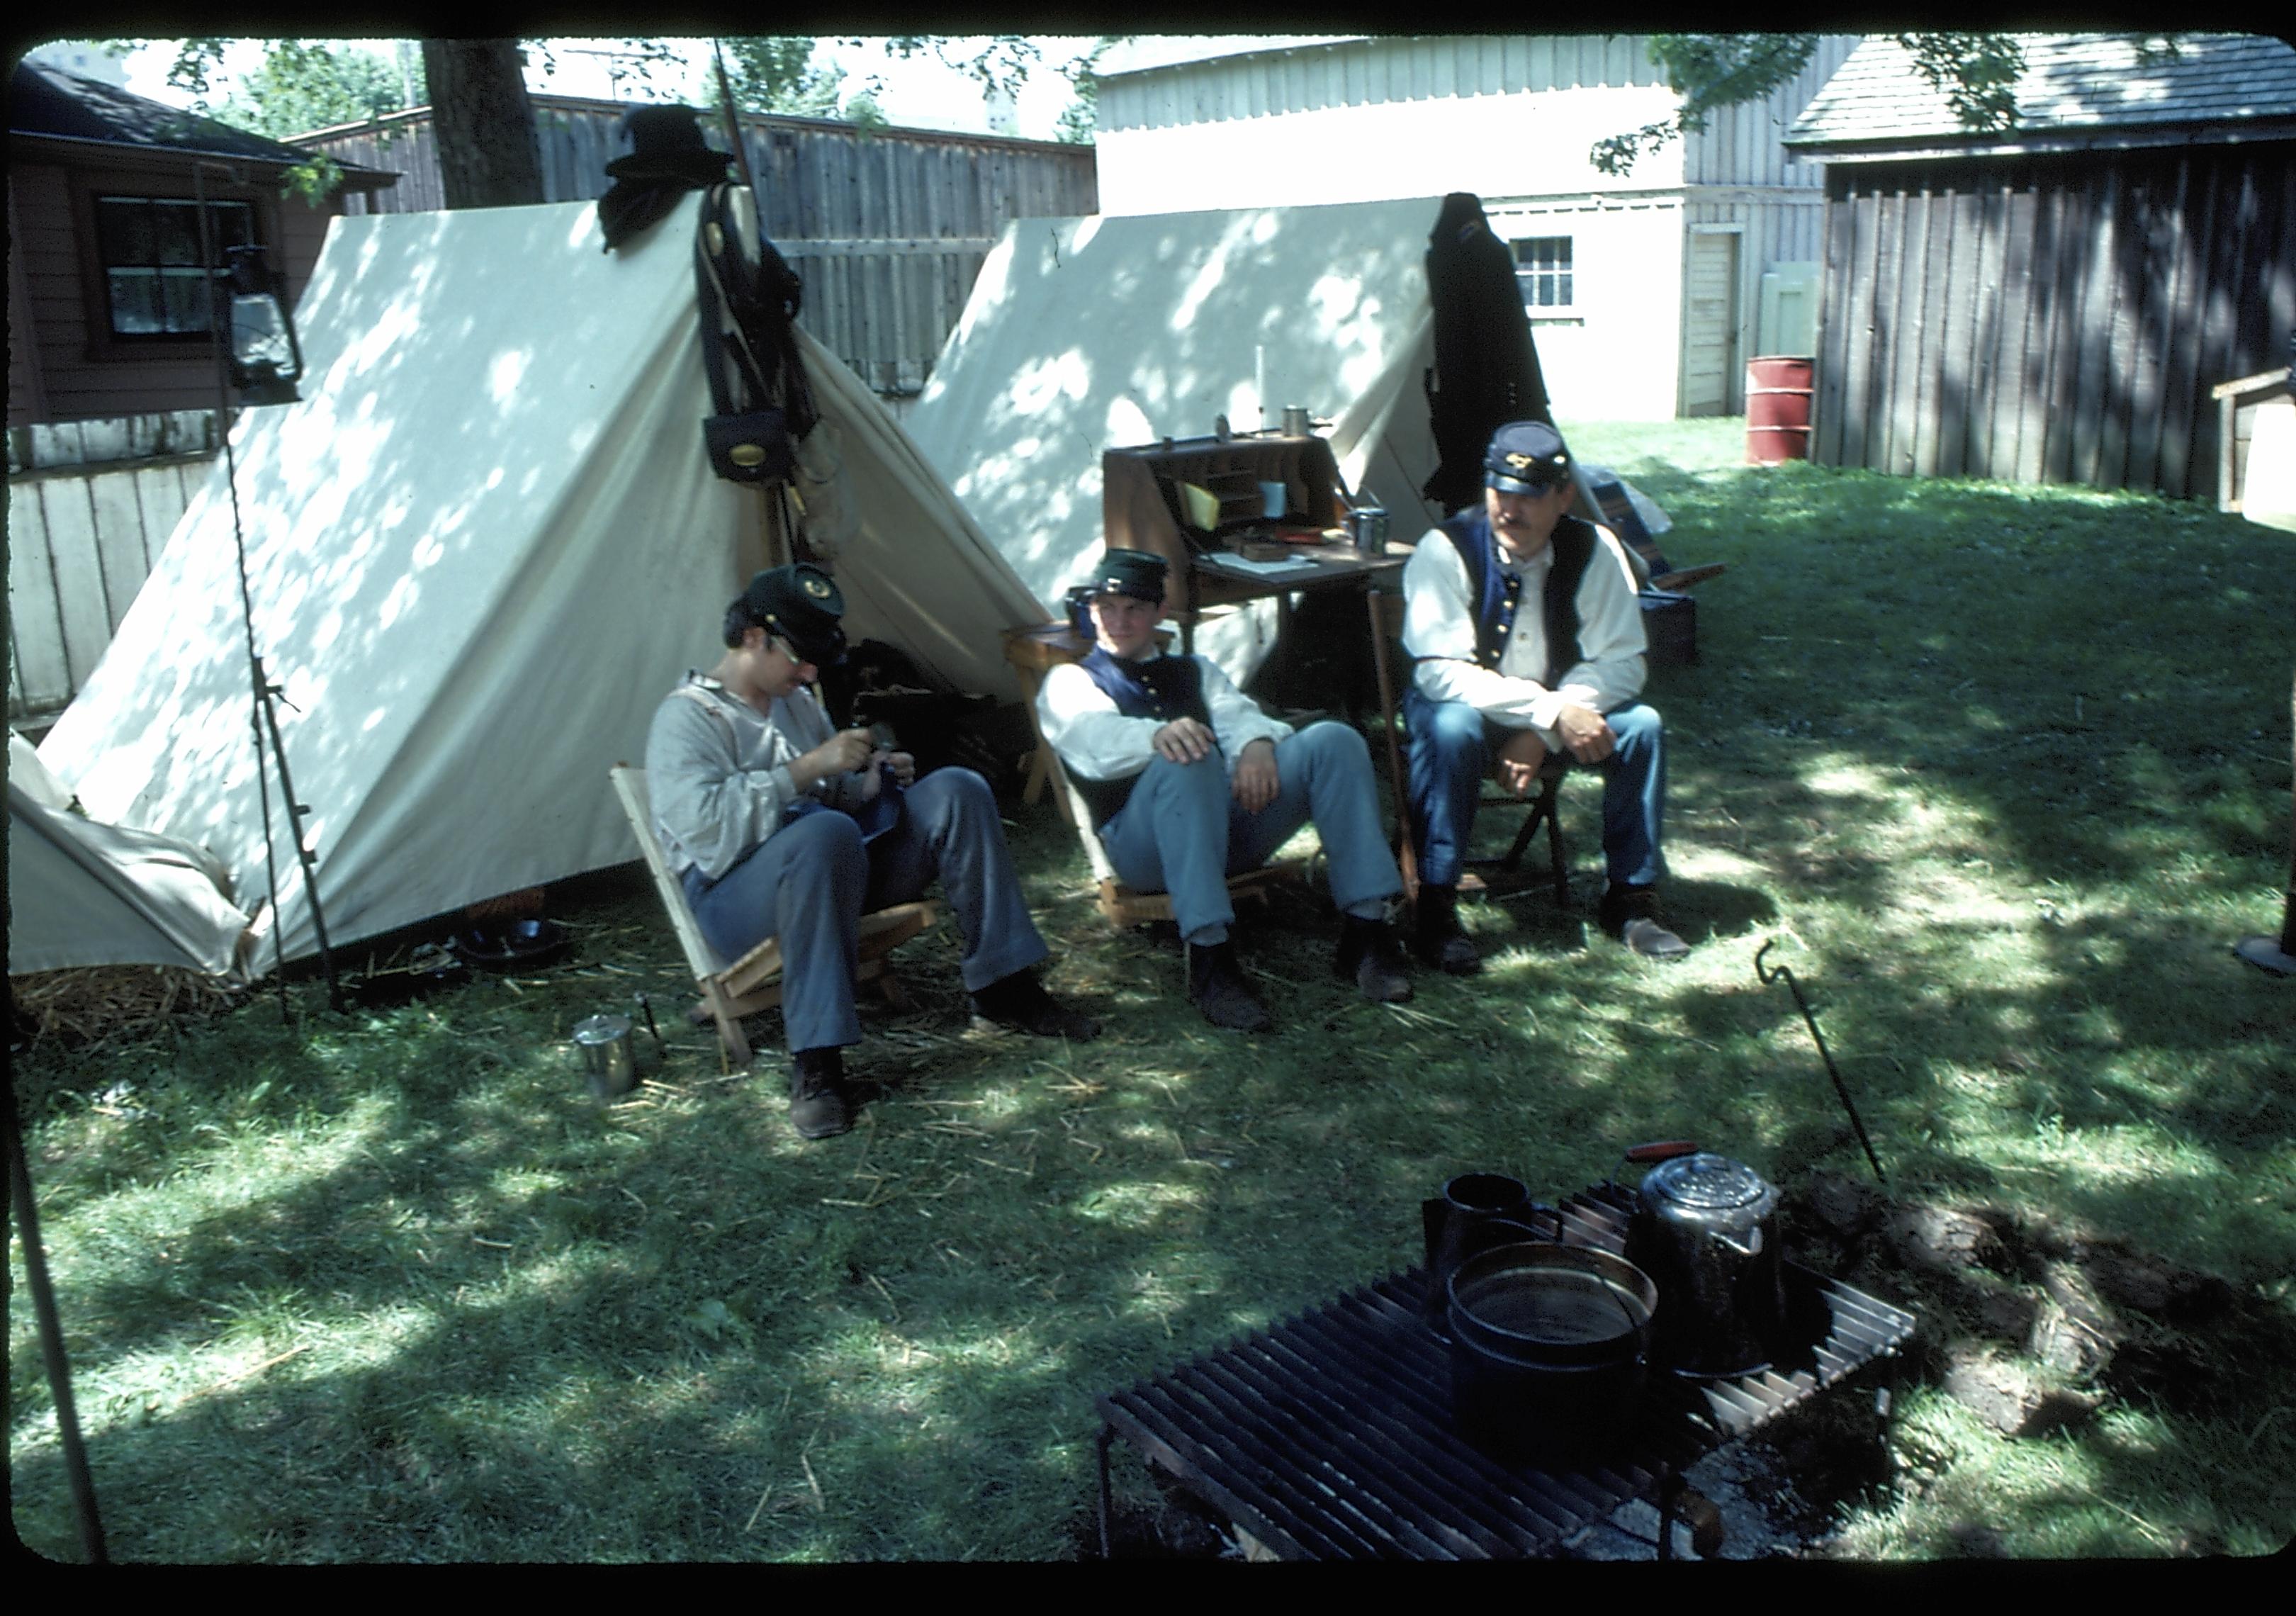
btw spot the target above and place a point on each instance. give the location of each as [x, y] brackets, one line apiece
[609, 1055]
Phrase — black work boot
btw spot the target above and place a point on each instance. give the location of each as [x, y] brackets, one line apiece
[1436, 937]
[1215, 986]
[1630, 914]
[1370, 957]
[1019, 1001]
[819, 1106]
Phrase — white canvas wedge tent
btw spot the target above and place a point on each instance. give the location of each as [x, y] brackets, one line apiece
[1086, 335]
[81, 893]
[479, 551]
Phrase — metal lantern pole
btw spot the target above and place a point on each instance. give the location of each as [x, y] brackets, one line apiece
[263, 718]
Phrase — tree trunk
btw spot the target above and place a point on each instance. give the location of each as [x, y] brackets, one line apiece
[490, 155]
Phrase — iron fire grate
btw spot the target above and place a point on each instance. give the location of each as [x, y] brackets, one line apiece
[1330, 1435]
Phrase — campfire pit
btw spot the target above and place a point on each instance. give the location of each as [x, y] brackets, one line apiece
[1331, 1435]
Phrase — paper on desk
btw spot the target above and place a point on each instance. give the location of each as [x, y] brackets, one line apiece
[1237, 563]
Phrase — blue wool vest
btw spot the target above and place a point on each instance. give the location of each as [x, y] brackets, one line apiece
[1161, 687]
[1495, 589]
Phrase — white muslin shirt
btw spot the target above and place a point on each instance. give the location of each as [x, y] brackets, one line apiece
[1438, 630]
[717, 772]
[1080, 722]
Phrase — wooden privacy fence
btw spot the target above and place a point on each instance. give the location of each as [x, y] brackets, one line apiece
[80, 541]
[888, 227]
[2056, 319]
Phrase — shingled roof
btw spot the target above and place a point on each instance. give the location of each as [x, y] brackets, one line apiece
[51, 103]
[2077, 92]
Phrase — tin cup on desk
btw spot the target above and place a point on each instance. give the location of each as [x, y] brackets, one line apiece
[1367, 528]
[609, 1055]
[1297, 422]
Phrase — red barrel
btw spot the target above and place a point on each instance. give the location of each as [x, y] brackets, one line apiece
[1777, 409]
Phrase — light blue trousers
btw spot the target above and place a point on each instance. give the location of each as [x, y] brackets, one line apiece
[810, 882]
[1183, 831]
[1451, 747]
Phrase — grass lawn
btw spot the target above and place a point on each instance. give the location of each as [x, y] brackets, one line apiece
[2005, 771]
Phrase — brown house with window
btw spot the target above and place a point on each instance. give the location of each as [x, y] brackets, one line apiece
[107, 296]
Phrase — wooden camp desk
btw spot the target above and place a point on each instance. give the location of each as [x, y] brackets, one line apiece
[1210, 583]
[1142, 508]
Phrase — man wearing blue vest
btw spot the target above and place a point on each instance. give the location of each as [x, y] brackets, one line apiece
[1186, 783]
[1528, 640]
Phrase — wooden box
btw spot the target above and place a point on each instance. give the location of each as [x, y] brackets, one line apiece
[1142, 507]
[1671, 622]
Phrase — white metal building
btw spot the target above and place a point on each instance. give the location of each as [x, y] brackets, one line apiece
[1647, 292]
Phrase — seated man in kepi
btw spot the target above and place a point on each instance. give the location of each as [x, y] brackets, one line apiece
[1498, 690]
[783, 825]
[1186, 783]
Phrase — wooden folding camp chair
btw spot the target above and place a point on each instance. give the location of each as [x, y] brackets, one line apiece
[1618, 514]
[1386, 609]
[1035, 652]
[753, 982]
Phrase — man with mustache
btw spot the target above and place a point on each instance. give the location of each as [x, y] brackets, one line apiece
[1528, 640]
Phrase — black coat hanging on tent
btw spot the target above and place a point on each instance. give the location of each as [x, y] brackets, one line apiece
[1486, 371]
[758, 383]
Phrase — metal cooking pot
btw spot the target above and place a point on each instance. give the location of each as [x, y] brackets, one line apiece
[1705, 1229]
[1548, 1345]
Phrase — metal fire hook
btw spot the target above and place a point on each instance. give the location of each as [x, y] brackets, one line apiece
[1831, 1070]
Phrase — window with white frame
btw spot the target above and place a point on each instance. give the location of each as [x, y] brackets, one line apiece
[1542, 269]
[153, 278]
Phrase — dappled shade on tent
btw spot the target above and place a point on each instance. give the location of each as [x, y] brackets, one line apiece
[479, 551]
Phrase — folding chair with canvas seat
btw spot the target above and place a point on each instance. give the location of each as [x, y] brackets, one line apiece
[1617, 511]
[752, 982]
[1386, 607]
[1035, 651]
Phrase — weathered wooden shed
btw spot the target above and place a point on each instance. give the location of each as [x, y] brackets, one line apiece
[107, 301]
[2054, 304]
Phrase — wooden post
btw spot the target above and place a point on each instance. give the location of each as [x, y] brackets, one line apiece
[2278, 954]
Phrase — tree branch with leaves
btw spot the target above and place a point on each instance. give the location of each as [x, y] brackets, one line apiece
[1977, 73]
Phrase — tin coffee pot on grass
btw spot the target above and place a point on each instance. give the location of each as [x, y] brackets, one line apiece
[609, 1055]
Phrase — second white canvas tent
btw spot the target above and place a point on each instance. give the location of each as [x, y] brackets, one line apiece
[1086, 335]
[479, 551]
[83, 894]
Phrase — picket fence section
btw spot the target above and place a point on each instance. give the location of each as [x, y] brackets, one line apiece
[80, 541]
